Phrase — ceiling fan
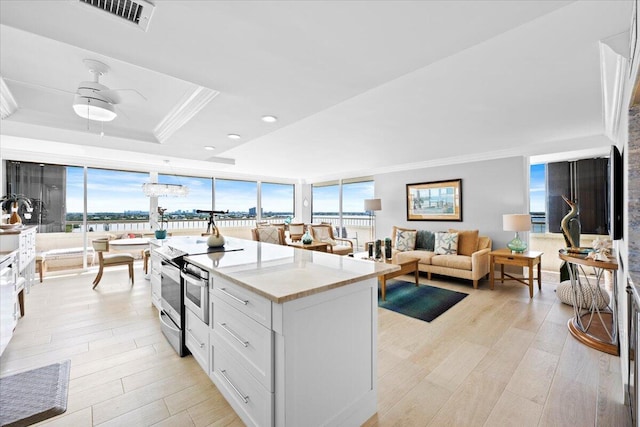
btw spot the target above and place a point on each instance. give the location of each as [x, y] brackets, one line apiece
[95, 101]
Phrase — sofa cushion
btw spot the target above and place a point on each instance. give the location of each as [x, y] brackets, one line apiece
[424, 257]
[405, 240]
[484, 243]
[425, 240]
[446, 243]
[460, 262]
[467, 241]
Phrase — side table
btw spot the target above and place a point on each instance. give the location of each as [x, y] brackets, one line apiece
[526, 259]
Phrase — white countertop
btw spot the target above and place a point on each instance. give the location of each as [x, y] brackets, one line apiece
[282, 273]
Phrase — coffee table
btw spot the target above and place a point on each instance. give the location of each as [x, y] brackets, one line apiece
[406, 267]
[314, 246]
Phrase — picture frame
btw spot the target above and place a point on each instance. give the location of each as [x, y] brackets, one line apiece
[435, 201]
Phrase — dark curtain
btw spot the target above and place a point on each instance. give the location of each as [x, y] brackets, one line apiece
[45, 186]
[585, 181]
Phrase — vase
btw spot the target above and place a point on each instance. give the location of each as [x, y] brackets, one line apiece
[161, 234]
[15, 218]
[215, 240]
[306, 238]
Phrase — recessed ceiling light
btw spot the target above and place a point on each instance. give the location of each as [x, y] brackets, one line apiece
[233, 136]
[209, 147]
[269, 119]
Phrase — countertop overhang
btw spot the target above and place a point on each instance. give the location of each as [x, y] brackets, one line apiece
[282, 273]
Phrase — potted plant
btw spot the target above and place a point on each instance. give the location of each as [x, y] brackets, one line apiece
[12, 202]
[161, 232]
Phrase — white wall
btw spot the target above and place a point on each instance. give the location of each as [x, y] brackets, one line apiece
[489, 190]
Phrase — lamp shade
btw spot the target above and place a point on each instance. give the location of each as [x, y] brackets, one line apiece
[372, 205]
[93, 109]
[516, 222]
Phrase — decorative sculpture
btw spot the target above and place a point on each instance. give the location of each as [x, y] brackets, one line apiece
[571, 228]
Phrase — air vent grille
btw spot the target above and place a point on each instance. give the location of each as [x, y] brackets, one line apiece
[137, 12]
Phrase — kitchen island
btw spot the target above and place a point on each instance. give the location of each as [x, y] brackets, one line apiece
[292, 334]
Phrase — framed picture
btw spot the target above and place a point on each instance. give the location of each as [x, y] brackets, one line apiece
[435, 201]
[633, 37]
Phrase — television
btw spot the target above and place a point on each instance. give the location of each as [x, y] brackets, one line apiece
[616, 193]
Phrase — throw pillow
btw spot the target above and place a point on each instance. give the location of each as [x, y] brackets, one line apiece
[425, 240]
[446, 243]
[395, 231]
[405, 240]
[329, 240]
[321, 233]
[467, 241]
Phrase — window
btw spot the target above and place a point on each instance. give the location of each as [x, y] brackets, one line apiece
[350, 221]
[325, 202]
[276, 200]
[181, 211]
[115, 201]
[354, 217]
[538, 198]
[239, 197]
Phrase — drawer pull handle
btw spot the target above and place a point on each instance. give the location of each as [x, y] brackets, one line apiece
[240, 340]
[241, 301]
[226, 378]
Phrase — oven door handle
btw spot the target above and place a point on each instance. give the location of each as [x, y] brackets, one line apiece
[193, 280]
[162, 312]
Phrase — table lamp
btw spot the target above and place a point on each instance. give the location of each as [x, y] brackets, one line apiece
[517, 223]
[372, 205]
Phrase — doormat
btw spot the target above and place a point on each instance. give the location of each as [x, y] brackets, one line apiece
[32, 396]
[422, 302]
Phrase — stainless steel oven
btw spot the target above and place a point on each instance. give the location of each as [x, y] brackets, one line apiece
[172, 302]
[196, 291]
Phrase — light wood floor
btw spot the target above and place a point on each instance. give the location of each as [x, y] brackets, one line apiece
[497, 358]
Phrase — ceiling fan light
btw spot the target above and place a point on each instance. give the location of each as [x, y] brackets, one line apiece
[93, 109]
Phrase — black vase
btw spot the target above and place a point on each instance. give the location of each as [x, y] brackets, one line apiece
[387, 248]
[378, 249]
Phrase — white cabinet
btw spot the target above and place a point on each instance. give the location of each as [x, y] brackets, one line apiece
[197, 339]
[24, 241]
[155, 276]
[11, 288]
[306, 362]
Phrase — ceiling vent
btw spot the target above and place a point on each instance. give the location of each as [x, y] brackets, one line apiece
[136, 12]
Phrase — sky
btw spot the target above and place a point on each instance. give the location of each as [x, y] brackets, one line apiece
[537, 192]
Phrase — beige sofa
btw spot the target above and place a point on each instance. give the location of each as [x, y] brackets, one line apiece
[471, 264]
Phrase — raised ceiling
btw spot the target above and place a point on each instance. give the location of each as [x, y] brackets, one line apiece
[359, 87]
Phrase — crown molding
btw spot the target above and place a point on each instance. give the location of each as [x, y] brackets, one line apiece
[190, 105]
[8, 104]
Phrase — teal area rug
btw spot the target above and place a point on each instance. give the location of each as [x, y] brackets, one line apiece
[423, 302]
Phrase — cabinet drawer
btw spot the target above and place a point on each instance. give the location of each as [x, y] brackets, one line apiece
[507, 260]
[248, 398]
[249, 303]
[197, 339]
[249, 342]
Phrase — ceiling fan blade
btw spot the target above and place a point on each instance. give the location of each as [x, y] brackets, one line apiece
[116, 98]
[35, 85]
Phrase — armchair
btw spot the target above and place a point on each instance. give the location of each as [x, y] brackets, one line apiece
[324, 233]
[296, 231]
[268, 235]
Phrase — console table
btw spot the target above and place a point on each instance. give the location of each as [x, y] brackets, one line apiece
[593, 326]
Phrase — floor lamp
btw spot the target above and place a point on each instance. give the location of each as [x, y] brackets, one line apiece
[372, 205]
